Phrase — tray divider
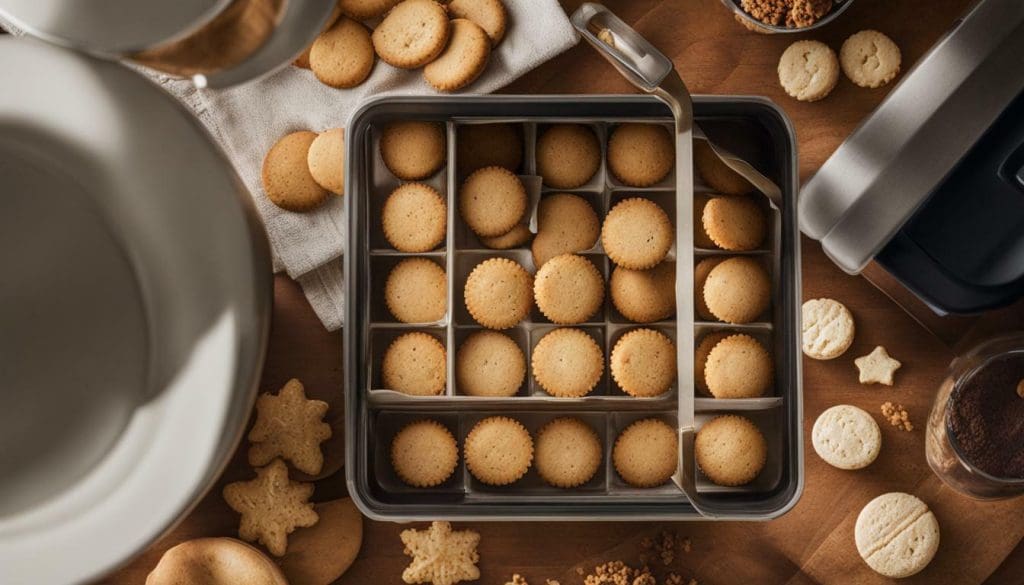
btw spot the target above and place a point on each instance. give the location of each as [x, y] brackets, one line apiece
[451, 182]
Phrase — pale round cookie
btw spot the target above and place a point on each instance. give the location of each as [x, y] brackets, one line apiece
[701, 239]
[568, 289]
[412, 149]
[565, 223]
[730, 450]
[365, 9]
[643, 363]
[287, 181]
[828, 329]
[322, 553]
[415, 364]
[487, 14]
[568, 452]
[568, 155]
[700, 359]
[489, 363]
[412, 34]
[644, 296]
[463, 60]
[700, 277]
[326, 160]
[499, 293]
[737, 290]
[424, 453]
[488, 145]
[215, 561]
[637, 233]
[897, 535]
[640, 155]
[808, 70]
[738, 367]
[516, 237]
[303, 59]
[646, 453]
[734, 222]
[342, 56]
[870, 59]
[416, 291]
[498, 450]
[567, 363]
[846, 437]
[414, 218]
[716, 173]
[492, 201]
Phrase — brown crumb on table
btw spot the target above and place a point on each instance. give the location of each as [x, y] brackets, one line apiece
[790, 13]
[897, 416]
[553, 582]
[619, 573]
[677, 579]
[517, 579]
[665, 546]
[606, 37]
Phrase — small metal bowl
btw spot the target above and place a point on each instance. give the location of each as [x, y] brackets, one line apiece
[838, 7]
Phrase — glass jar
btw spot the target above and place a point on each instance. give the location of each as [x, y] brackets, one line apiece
[975, 435]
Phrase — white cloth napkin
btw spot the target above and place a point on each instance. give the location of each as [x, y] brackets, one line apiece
[247, 120]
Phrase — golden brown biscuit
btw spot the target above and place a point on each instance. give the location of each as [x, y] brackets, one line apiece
[342, 56]
[716, 173]
[700, 276]
[489, 364]
[326, 160]
[640, 155]
[215, 561]
[492, 201]
[568, 452]
[646, 453]
[498, 450]
[637, 233]
[271, 506]
[415, 364]
[738, 367]
[287, 181]
[463, 60]
[303, 59]
[568, 155]
[735, 222]
[365, 9]
[870, 59]
[700, 359]
[565, 223]
[414, 218]
[321, 554]
[413, 150]
[568, 289]
[643, 363]
[516, 237]
[730, 450]
[412, 34]
[488, 145]
[567, 363]
[487, 14]
[737, 290]
[290, 426]
[644, 296]
[499, 293]
[701, 239]
[416, 291]
[424, 453]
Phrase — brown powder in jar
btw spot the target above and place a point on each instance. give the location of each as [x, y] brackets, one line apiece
[986, 418]
[791, 13]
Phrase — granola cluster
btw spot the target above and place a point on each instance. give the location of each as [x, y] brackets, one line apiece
[791, 13]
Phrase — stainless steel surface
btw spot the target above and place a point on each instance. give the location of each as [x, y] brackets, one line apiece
[838, 7]
[885, 170]
[752, 129]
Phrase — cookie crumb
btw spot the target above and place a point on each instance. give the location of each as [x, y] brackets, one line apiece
[517, 579]
[897, 416]
[619, 573]
[606, 37]
[552, 582]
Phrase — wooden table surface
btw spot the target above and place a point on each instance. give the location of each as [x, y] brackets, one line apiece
[715, 55]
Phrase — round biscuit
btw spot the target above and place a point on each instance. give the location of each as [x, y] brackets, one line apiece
[365, 9]
[640, 155]
[643, 363]
[516, 237]
[737, 290]
[870, 59]
[700, 359]
[413, 149]
[489, 15]
[738, 367]
[424, 453]
[462, 61]
[498, 450]
[700, 277]
[568, 452]
[414, 218]
[342, 56]
[701, 239]
[303, 59]
[492, 201]
[896, 535]
[416, 291]
[568, 289]
[644, 296]
[326, 160]
[215, 561]
[808, 70]
[567, 363]
[730, 450]
[718, 175]
[412, 34]
[846, 437]
[415, 364]
[568, 155]
[565, 223]
[734, 222]
[646, 453]
[489, 363]
[637, 233]
[499, 293]
[322, 553]
[827, 329]
[287, 181]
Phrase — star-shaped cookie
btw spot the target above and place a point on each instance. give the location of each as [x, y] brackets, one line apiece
[877, 367]
[289, 426]
[440, 555]
[271, 506]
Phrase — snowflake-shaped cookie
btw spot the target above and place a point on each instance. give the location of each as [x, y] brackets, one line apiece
[290, 426]
[440, 555]
[272, 507]
[877, 367]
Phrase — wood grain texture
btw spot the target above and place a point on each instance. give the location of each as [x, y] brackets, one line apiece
[814, 542]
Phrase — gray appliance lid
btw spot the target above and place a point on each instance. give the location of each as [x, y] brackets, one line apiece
[109, 27]
[881, 175]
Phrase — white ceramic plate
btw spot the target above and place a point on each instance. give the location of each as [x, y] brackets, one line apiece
[135, 294]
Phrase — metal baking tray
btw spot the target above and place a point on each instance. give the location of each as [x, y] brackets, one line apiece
[752, 129]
